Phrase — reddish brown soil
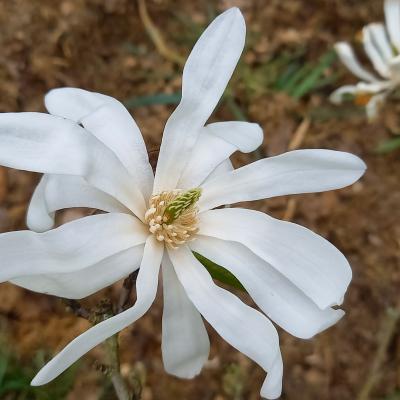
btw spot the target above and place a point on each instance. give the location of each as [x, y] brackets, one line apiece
[102, 46]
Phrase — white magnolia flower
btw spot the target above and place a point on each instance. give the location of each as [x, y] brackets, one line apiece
[93, 155]
[382, 46]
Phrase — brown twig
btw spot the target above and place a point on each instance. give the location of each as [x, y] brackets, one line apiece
[126, 291]
[386, 334]
[156, 36]
[76, 308]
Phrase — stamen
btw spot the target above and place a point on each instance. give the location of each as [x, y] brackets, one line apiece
[173, 216]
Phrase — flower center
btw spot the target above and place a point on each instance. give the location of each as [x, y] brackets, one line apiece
[173, 216]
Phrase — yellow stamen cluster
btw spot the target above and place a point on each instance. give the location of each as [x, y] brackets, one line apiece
[173, 216]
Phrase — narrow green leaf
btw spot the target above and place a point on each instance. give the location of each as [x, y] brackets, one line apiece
[219, 273]
[3, 367]
[310, 81]
[154, 99]
[297, 77]
[388, 146]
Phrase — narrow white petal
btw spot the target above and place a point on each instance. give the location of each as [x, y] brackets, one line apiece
[381, 41]
[185, 344]
[374, 105]
[348, 58]
[146, 289]
[361, 89]
[373, 53]
[309, 261]
[280, 299]
[206, 73]
[338, 96]
[56, 192]
[394, 65]
[298, 171]
[39, 218]
[108, 120]
[215, 144]
[73, 103]
[48, 144]
[245, 136]
[113, 125]
[244, 328]
[392, 17]
[71, 247]
[225, 166]
[83, 283]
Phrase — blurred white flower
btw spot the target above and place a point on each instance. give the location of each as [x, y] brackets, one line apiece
[382, 46]
[93, 155]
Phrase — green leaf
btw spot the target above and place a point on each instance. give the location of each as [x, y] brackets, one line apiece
[313, 78]
[389, 145]
[219, 273]
[153, 99]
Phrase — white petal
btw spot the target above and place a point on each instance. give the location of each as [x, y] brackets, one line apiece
[71, 247]
[244, 328]
[73, 103]
[282, 301]
[373, 106]
[113, 125]
[376, 58]
[107, 119]
[381, 40]
[245, 136]
[48, 144]
[308, 260]
[392, 17]
[360, 89]
[205, 76]
[348, 58]
[39, 218]
[338, 96]
[298, 171]
[225, 166]
[215, 144]
[83, 283]
[185, 344]
[56, 192]
[146, 289]
[394, 65]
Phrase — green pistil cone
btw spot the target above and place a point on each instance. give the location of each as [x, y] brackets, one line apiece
[184, 201]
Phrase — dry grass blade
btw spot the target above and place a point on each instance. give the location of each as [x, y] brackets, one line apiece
[156, 36]
[296, 142]
[386, 334]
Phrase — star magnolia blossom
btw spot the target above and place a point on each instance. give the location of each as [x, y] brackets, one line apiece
[92, 155]
[382, 46]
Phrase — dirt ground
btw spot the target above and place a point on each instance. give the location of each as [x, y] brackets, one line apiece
[102, 45]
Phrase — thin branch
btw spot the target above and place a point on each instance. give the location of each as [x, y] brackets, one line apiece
[156, 37]
[76, 308]
[126, 291]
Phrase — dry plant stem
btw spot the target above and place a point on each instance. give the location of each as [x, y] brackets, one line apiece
[296, 142]
[386, 334]
[299, 135]
[120, 387]
[111, 344]
[156, 36]
[76, 308]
